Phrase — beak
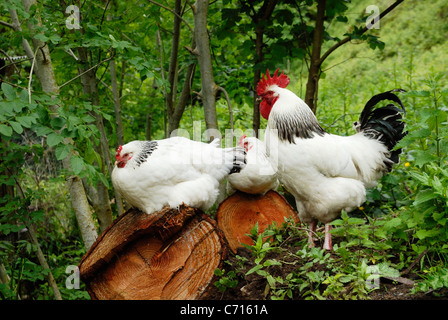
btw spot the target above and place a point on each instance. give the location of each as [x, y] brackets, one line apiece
[259, 99]
[115, 164]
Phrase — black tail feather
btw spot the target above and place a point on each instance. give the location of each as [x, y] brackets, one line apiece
[384, 123]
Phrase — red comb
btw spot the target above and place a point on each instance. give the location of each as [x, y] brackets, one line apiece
[118, 152]
[281, 80]
[240, 143]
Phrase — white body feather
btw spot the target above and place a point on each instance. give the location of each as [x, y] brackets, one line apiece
[326, 173]
[178, 171]
[258, 176]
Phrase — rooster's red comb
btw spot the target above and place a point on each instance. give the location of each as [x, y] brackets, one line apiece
[118, 152]
[240, 143]
[281, 80]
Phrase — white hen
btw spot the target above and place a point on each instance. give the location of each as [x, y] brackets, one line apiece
[258, 176]
[153, 174]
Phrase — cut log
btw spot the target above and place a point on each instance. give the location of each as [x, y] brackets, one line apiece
[170, 254]
[239, 213]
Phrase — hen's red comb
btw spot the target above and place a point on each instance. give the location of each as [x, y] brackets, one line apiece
[281, 80]
[240, 143]
[118, 152]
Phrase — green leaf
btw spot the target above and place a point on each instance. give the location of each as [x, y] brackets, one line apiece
[41, 37]
[42, 130]
[57, 123]
[16, 126]
[256, 268]
[424, 196]
[392, 224]
[417, 93]
[24, 121]
[422, 234]
[88, 118]
[5, 130]
[353, 221]
[77, 164]
[62, 151]
[54, 139]
[9, 92]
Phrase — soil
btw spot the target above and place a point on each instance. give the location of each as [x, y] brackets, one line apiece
[254, 286]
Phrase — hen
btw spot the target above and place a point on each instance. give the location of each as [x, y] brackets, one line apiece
[327, 173]
[153, 174]
[258, 176]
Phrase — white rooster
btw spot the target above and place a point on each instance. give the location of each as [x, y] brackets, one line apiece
[258, 176]
[153, 174]
[327, 173]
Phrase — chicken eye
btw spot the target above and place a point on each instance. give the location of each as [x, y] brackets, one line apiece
[126, 154]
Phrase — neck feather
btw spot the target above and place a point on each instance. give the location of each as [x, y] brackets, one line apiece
[292, 117]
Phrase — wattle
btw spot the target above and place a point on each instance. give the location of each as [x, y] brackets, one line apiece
[266, 107]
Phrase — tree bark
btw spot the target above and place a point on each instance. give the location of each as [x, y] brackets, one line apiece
[43, 262]
[117, 103]
[317, 59]
[257, 76]
[45, 74]
[258, 19]
[208, 86]
[314, 71]
[173, 67]
[89, 85]
[174, 120]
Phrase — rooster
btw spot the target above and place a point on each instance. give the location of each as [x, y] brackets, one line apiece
[327, 173]
[153, 174]
[258, 176]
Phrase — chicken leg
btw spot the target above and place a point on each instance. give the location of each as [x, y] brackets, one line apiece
[311, 233]
[327, 242]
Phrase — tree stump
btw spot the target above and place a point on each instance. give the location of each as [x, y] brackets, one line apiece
[170, 254]
[241, 211]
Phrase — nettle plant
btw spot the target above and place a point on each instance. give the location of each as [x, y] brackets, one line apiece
[427, 152]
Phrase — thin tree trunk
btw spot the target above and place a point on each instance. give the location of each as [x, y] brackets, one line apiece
[183, 99]
[118, 124]
[258, 59]
[173, 68]
[89, 85]
[259, 18]
[208, 86]
[314, 71]
[316, 58]
[45, 74]
[117, 102]
[43, 263]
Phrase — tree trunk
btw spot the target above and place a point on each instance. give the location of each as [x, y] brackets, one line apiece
[170, 254]
[117, 103]
[259, 20]
[183, 99]
[173, 68]
[90, 89]
[314, 71]
[43, 262]
[317, 59]
[45, 73]
[119, 127]
[176, 110]
[239, 213]
[208, 86]
[257, 76]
